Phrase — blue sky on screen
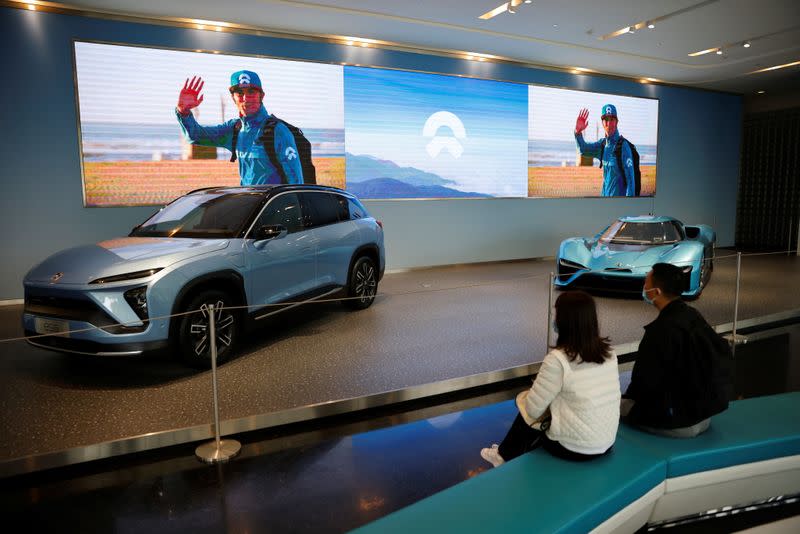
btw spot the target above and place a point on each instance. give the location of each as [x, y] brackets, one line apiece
[552, 113]
[127, 84]
[387, 112]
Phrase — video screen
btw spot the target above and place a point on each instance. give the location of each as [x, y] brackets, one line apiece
[561, 165]
[155, 124]
[136, 151]
[412, 135]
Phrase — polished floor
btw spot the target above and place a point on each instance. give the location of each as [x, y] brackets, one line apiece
[335, 474]
[431, 331]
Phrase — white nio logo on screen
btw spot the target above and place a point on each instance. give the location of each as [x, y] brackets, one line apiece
[438, 142]
[244, 79]
[291, 153]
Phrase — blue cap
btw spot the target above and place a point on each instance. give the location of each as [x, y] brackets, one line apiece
[609, 110]
[245, 78]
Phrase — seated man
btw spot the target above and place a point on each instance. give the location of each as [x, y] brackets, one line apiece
[682, 373]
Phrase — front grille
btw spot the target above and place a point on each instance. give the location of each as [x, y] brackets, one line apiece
[72, 309]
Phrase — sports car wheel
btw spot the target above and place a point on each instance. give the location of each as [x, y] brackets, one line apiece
[705, 271]
[194, 330]
[363, 284]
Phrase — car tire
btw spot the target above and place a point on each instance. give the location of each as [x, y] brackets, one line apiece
[193, 342]
[362, 284]
[705, 273]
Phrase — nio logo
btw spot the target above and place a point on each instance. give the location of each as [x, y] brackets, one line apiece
[244, 79]
[437, 143]
[629, 163]
[56, 277]
[290, 153]
[608, 110]
[619, 264]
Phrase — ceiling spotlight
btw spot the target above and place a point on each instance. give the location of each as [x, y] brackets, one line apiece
[631, 29]
[746, 44]
[651, 25]
[761, 92]
[511, 10]
[528, 1]
[719, 51]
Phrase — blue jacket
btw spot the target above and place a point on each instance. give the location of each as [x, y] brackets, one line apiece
[255, 167]
[614, 181]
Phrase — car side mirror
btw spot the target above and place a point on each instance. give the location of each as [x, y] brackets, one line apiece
[270, 231]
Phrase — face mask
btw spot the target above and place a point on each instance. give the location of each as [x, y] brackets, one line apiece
[645, 297]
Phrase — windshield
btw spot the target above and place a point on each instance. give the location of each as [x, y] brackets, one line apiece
[638, 233]
[210, 214]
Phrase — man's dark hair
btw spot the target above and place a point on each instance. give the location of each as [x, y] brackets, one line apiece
[578, 331]
[668, 278]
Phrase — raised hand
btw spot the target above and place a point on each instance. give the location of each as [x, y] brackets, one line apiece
[582, 121]
[190, 96]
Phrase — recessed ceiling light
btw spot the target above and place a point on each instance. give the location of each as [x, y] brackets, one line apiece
[528, 1]
[631, 29]
[746, 44]
[719, 51]
[651, 25]
[511, 10]
[555, 26]
[761, 92]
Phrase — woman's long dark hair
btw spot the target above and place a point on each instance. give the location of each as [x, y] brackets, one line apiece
[578, 330]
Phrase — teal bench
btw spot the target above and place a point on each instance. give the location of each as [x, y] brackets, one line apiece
[751, 452]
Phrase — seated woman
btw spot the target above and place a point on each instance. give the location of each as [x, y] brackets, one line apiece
[572, 409]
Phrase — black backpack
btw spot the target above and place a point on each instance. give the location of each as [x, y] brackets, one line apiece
[267, 138]
[637, 172]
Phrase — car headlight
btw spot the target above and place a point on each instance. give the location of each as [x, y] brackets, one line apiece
[126, 276]
[137, 300]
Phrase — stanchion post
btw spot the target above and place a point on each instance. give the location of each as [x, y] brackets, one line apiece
[550, 313]
[218, 450]
[736, 300]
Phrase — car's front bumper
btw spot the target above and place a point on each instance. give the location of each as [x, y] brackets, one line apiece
[92, 348]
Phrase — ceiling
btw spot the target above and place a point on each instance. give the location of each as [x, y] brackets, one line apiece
[545, 32]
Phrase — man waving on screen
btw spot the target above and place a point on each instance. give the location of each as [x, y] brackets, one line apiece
[613, 151]
[243, 136]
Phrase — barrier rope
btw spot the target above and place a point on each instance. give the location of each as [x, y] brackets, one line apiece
[377, 296]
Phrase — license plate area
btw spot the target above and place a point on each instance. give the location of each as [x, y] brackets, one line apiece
[55, 327]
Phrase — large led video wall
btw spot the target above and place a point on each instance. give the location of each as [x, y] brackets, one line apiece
[379, 133]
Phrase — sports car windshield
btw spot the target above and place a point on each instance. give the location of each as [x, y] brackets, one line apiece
[221, 215]
[638, 233]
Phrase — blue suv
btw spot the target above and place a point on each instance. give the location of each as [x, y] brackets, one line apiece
[269, 248]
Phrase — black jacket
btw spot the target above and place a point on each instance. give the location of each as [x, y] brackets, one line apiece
[682, 373]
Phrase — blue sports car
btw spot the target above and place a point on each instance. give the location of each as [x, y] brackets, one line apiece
[623, 253]
[250, 252]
